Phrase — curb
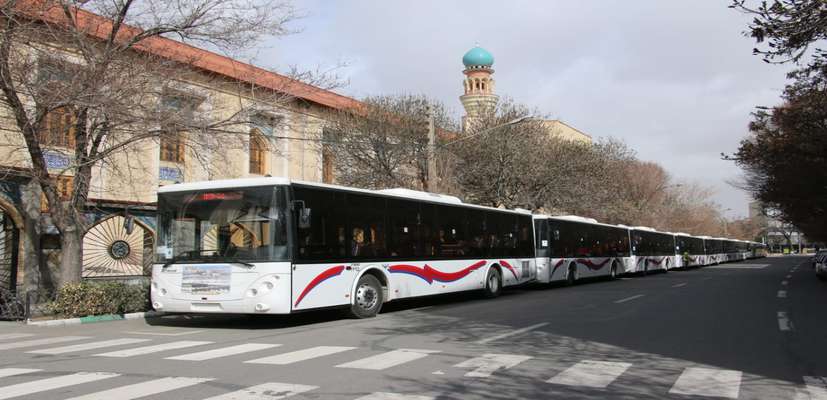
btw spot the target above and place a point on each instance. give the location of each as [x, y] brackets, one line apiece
[95, 318]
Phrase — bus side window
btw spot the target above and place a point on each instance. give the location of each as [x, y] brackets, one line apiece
[477, 233]
[366, 220]
[403, 228]
[323, 239]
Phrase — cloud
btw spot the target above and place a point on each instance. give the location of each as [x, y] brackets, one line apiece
[676, 80]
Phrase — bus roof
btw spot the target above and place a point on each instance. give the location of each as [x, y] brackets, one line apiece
[274, 181]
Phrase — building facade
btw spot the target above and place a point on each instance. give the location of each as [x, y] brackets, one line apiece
[280, 139]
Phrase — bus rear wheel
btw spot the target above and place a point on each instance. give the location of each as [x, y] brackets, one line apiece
[367, 300]
[493, 284]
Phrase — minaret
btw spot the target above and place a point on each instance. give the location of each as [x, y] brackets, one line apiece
[478, 84]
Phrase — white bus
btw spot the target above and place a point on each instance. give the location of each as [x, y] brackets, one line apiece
[690, 251]
[652, 250]
[714, 248]
[275, 246]
[570, 248]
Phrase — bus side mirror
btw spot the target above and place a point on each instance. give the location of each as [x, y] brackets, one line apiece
[304, 218]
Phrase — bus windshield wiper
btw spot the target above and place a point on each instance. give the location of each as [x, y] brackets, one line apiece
[243, 263]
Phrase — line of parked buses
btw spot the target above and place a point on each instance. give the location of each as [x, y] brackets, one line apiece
[275, 246]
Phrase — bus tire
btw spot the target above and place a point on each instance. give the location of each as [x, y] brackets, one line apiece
[571, 275]
[613, 271]
[493, 283]
[367, 300]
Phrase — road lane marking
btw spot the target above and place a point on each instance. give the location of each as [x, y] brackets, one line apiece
[388, 360]
[784, 323]
[164, 333]
[143, 389]
[511, 333]
[782, 294]
[487, 364]
[5, 372]
[784, 283]
[588, 373]
[679, 285]
[711, 382]
[637, 296]
[139, 351]
[88, 346]
[789, 276]
[269, 391]
[223, 352]
[38, 342]
[816, 387]
[42, 385]
[394, 396]
[300, 355]
[739, 266]
[9, 336]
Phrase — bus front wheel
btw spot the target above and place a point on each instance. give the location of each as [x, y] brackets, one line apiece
[493, 283]
[368, 298]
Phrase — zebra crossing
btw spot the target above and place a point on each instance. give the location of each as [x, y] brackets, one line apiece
[701, 382]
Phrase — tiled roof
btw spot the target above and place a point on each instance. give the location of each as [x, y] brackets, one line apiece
[100, 27]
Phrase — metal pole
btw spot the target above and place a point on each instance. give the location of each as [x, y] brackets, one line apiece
[431, 151]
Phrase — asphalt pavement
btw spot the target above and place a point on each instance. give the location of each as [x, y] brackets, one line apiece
[750, 330]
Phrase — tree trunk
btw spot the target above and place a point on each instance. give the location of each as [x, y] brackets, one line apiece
[71, 261]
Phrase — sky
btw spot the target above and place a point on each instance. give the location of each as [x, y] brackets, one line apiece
[675, 80]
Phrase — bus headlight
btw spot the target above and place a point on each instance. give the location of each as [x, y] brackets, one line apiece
[263, 286]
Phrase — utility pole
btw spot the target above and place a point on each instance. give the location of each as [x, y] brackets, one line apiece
[431, 151]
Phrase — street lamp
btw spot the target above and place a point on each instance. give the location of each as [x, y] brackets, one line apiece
[432, 142]
[726, 223]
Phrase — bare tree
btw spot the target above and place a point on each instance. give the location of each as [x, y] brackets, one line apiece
[385, 143]
[99, 79]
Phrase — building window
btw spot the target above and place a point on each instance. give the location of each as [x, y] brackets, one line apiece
[328, 158]
[63, 185]
[172, 147]
[59, 128]
[258, 152]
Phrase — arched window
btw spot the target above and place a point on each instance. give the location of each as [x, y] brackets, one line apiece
[258, 152]
[59, 128]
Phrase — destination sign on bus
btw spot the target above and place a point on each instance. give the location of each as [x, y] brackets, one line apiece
[211, 196]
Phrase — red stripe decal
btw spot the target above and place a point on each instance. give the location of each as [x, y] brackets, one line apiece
[325, 275]
[510, 268]
[591, 264]
[429, 274]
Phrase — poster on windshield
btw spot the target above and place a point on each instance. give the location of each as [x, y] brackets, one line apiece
[206, 279]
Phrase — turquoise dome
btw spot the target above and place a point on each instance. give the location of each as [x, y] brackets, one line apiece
[478, 57]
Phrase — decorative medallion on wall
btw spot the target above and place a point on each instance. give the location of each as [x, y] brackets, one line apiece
[109, 250]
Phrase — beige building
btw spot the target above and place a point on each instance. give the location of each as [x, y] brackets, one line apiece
[281, 139]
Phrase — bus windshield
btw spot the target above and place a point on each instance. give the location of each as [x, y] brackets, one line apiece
[223, 225]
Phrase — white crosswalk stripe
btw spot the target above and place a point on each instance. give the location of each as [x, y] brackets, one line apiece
[9, 336]
[269, 391]
[88, 346]
[710, 382]
[388, 360]
[301, 355]
[143, 389]
[588, 373]
[42, 385]
[41, 342]
[815, 388]
[224, 352]
[4, 372]
[394, 396]
[487, 364]
[139, 351]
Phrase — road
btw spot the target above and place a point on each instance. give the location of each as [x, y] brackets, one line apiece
[750, 330]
